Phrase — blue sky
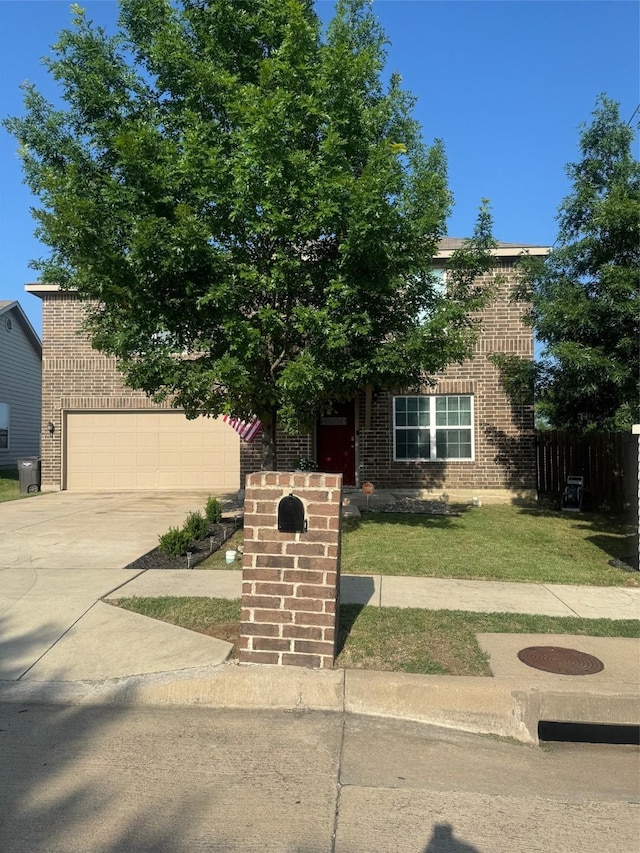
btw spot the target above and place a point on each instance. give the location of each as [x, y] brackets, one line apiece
[505, 84]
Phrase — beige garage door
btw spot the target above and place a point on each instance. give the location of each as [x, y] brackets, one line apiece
[150, 450]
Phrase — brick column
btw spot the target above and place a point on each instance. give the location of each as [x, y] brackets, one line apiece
[290, 581]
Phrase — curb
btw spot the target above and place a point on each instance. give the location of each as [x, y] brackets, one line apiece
[505, 707]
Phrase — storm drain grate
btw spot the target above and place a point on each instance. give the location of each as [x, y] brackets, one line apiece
[560, 661]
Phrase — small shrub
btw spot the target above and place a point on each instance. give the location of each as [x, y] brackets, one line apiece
[213, 510]
[174, 542]
[304, 463]
[196, 525]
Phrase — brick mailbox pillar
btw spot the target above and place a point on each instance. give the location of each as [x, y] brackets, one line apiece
[290, 581]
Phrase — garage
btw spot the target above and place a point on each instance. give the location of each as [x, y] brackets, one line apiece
[149, 450]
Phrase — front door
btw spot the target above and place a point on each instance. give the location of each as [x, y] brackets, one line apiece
[336, 442]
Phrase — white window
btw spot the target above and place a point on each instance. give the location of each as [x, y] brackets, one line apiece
[432, 428]
[5, 413]
[439, 283]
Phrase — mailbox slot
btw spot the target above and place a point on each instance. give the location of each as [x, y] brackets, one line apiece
[291, 515]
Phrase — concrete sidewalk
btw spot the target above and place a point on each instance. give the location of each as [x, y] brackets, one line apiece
[59, 641]
[589, 602]
[61, 555]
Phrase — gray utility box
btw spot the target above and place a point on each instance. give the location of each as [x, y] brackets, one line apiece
[29, 474]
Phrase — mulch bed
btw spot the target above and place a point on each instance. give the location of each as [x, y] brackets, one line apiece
[218, 534]
[200, 549]
[413, 506]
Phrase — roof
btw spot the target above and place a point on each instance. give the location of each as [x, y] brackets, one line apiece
[6, 307]
[448, 245]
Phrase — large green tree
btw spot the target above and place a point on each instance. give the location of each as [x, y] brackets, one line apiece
[585, 295]
[248, 206]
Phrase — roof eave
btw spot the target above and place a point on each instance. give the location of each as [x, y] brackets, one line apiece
[509, 252]
[29, 331]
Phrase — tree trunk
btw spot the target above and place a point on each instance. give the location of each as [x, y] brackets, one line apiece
[269, 454]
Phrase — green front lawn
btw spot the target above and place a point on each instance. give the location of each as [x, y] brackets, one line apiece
[437, 642]
[10, 486]
[503, 543]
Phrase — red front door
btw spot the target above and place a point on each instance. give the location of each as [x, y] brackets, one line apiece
[336, 442]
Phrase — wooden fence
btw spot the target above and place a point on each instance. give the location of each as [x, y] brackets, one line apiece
[608, 461]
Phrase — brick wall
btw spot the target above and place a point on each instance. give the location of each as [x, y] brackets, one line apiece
[290, 448]
[504, 436]
[290, 581]
[75, 376]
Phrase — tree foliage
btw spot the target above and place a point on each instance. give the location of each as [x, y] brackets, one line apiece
[585, 294]
[248, 206]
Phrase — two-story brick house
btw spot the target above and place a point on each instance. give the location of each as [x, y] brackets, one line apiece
[461, 435]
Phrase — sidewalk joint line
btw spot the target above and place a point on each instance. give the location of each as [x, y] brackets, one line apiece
[555, 595]
[124, 583]
[336, 812]
[55, 642]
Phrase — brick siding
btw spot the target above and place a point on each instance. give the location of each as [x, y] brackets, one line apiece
[290, 581]
[75, 377]
[504, 434]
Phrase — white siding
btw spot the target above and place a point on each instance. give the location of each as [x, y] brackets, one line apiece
[21, 388]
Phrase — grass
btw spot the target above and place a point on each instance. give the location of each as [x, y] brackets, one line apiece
[10, 486]
[390, 638]
[218, 560]
[502, 543]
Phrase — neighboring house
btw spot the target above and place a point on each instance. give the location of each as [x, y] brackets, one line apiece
[20, 386]
[462, 435]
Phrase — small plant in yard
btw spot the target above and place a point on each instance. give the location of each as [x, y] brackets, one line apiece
[213, 510]
[175, 541]
[304, 463]
[196, 525]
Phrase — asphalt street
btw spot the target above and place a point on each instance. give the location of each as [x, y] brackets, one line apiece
[83, 779]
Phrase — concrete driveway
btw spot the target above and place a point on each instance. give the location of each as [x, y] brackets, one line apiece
[89, 530]
[59, 554]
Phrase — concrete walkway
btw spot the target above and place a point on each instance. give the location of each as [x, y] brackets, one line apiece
[61, 556]
[89, 530]
[60, 641]
[588, 602]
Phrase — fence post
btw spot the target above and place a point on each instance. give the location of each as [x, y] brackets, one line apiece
[635, 430]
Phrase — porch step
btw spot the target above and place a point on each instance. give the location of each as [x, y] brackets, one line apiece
[350, 511]
[356, 498]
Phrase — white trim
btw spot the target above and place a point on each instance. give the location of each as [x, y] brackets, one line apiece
[37, 288]
[28, 329]
[516, 252]
[433, 429]
[8, 447]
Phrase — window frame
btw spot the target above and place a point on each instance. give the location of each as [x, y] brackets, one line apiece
[433, 428]
[439, 283]
[7, 407]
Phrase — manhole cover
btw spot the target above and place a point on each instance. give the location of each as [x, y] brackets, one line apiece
[561, 661]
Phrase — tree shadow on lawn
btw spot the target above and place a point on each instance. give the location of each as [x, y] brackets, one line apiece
[615, 535]
[623, 549]
[407, 519]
